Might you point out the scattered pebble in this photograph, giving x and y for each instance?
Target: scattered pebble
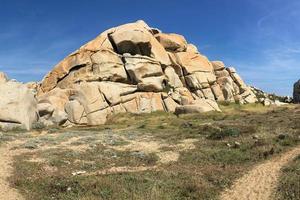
(229, 145)
(67, 162)
(78, 173)
(237, 145)
(255, 137)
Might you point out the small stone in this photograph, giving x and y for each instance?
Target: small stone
(255, 137)
(237, 145)
(229, 145)
(67, 162)
(114, 156)
(78, 173)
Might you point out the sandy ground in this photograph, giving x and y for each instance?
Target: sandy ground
(6, 170)
(7, 153)
(148, 146)
(257, 184)
(260, 183)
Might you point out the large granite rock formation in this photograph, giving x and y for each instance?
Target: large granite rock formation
(135, 68)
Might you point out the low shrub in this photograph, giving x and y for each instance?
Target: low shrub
(223, 133)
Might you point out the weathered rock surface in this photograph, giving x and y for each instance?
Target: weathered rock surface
(172, 42)
(135, 68)
(131, 68)
(18, 105)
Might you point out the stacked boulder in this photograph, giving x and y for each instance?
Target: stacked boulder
(18, 105)
(137, 69)
(270, 99)
(232, 86)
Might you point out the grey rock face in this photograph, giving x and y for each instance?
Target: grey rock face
(296, 93)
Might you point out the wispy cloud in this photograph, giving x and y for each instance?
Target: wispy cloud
(274, 62)
(276, 72)
(33, 58)
(261, 21)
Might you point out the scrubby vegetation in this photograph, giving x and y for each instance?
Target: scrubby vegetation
(153, 156)
(289, 184)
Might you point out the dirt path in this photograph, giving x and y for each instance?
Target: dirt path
(6, 159)
(260, 182)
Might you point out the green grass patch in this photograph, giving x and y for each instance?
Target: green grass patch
(289, 182)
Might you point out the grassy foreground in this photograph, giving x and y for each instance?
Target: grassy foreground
(289, 184)
(152, 156)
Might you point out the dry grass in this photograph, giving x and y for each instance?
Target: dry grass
(148, 157)
(289, 184)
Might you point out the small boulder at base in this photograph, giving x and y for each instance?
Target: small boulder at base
(17, 104)
(198, 106)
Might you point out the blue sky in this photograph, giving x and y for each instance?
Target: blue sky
(258, 37)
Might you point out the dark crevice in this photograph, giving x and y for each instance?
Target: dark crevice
(164, 105)
(75, 68)
(163, 66)
(165, 84)
(122, 58)
(113, 43)
(130, 81)
(96, 111)
(105, 98)
(145, 49)
(107, 101)
(8, 121)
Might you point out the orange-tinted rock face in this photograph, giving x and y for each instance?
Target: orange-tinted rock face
(135, 68)
(172, 42)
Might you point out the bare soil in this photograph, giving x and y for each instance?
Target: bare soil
(6, 170)
(154, 156)
(260, 183)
